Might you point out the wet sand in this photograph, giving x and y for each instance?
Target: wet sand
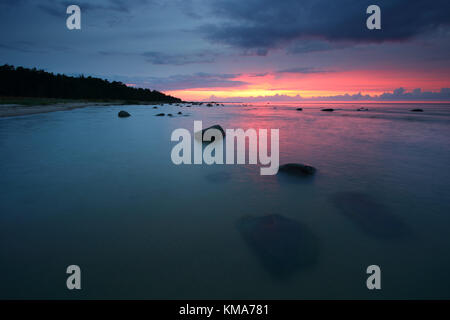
(12, 110)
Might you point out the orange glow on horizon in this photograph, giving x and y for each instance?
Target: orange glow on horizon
(321, 84)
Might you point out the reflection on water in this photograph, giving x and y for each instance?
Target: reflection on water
(84, 187)
(218, 177)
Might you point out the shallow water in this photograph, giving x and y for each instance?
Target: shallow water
(85, 187)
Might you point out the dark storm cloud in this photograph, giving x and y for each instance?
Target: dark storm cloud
(181, 82)
(178, 59)
(266, 24)
(30, 47)
(21, 46)
(302, 70)
(55, 7)
(305, 46)
(256, 75)
(162, 58)
(12, 2)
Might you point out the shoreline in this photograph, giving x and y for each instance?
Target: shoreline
(15, 110)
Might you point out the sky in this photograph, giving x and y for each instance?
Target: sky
(240, 50)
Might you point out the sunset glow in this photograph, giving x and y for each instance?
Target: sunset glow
(322, 84)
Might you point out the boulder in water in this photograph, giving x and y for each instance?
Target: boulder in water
(283, 246)
(299, 109)
(328, 109)
(417, 110)
(297, 169)
(199, 135)
(123, 114)
(160, 115)
(372, 217)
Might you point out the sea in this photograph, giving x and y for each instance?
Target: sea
(87, 188)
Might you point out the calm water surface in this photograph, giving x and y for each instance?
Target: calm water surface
(88, 188)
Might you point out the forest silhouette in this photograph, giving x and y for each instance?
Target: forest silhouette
(24, 82)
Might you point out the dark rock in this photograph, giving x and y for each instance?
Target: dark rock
(155, 107)
(372, 217)
(179, 112)
(362, 109)
(216, 126)
(160, 115)
(169, 115)
(328, 109)
(209, 105)
(417, 110)
(299, 109)
(188, 106)
(283, 246)
(199, 135)
(123, 114)
(297, 169)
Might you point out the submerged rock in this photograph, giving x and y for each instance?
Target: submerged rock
(169, 115)
(123, 114)
(199, 135)
(160, 115)
(299, 109)
(372, 217)
(283, 246)
(155, 107)
(328, 109)
(362, 109)
(179, 112)
(297, 169)
(417, 110)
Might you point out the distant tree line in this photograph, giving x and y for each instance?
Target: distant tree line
(24, 82)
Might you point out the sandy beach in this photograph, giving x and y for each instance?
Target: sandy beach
(12, 110)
